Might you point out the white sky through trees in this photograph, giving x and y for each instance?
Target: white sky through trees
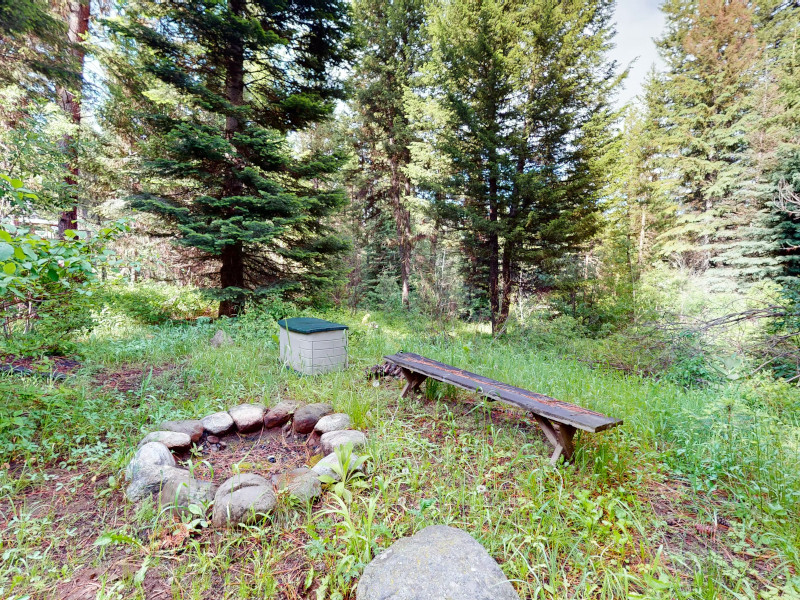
(639, 22)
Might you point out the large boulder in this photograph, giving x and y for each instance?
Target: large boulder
(248, 417)
(217, 423)
(191, 427)
(242, 499)
(334, 439)
(334, 422)
(280, 413)
(306, 417)
(171, 439)
(302, 484)
(439, 562)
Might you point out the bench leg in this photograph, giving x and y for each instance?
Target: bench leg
(565, 435)
(413, 381)
(560, 436)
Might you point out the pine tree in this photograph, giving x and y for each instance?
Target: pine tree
(772, 248)
(230, 81)
(711, 50)
(46, 56)
(34, 50)
(394, 50)
(724, 121)
(526, 88)
(69, 99)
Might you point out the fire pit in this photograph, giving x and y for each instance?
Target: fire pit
(239, 461)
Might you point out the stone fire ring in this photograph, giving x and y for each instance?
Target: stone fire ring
(246, 497)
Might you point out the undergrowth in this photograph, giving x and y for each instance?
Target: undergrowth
(696, 495)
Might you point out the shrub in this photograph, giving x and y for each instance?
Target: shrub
(45, 283)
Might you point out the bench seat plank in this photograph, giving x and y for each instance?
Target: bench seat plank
(539, 404)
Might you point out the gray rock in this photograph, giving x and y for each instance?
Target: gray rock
(191, 427)
(221, 338)
(171, 439)
(242, 499)
(302, 484)
(248, 417)
(306, 417)
(334, 422)
(325, 466)
(151, 454)
(280, 413)
(180, 492)
(242, 480)
(150, 479)
(334, 439)
(217, 423)
(439, 563)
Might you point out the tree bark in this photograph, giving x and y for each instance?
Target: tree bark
(78, 25)
(505, 307)
(494, 250)
(400, 186)
(231, 273)
(640, 256)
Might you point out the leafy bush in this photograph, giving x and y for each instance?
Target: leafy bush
(45, 283)
(17, 424)
(154, 303)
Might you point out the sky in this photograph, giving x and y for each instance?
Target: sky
(638, 23)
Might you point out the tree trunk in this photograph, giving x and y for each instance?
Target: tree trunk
(436, 285)
(509, 244)
(232, 276)
(494, 250)
(505, 307)
(78, 21)
(231, 273)
(400, 185)
(640, 257)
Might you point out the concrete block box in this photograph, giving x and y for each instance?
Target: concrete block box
(313, 346)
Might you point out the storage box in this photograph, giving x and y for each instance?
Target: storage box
(312, 346)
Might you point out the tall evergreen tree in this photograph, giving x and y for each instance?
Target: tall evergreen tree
(44, 52)
(392, 34)
(526, 85)
(34, 51)
(236, 77)
(69, 99)
(711, 51)
(723, 119)
(772, 248)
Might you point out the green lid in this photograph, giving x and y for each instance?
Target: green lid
(310, 325)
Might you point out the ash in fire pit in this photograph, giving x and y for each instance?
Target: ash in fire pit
(265, 453)
(239, 460)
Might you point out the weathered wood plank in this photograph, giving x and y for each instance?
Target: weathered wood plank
(569, 414)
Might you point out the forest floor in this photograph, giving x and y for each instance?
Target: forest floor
(696, 495)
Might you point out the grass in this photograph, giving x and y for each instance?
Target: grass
(697, 495)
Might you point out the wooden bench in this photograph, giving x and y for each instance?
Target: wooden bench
(558, 420)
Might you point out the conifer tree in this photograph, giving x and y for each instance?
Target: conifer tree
(45, 54)
(711, 50)
(392, 34)
(235, 78)
(34, 50)
(526, 87)
(725, 124)
(772, 246)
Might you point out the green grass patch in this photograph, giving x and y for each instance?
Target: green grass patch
(696, 495)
